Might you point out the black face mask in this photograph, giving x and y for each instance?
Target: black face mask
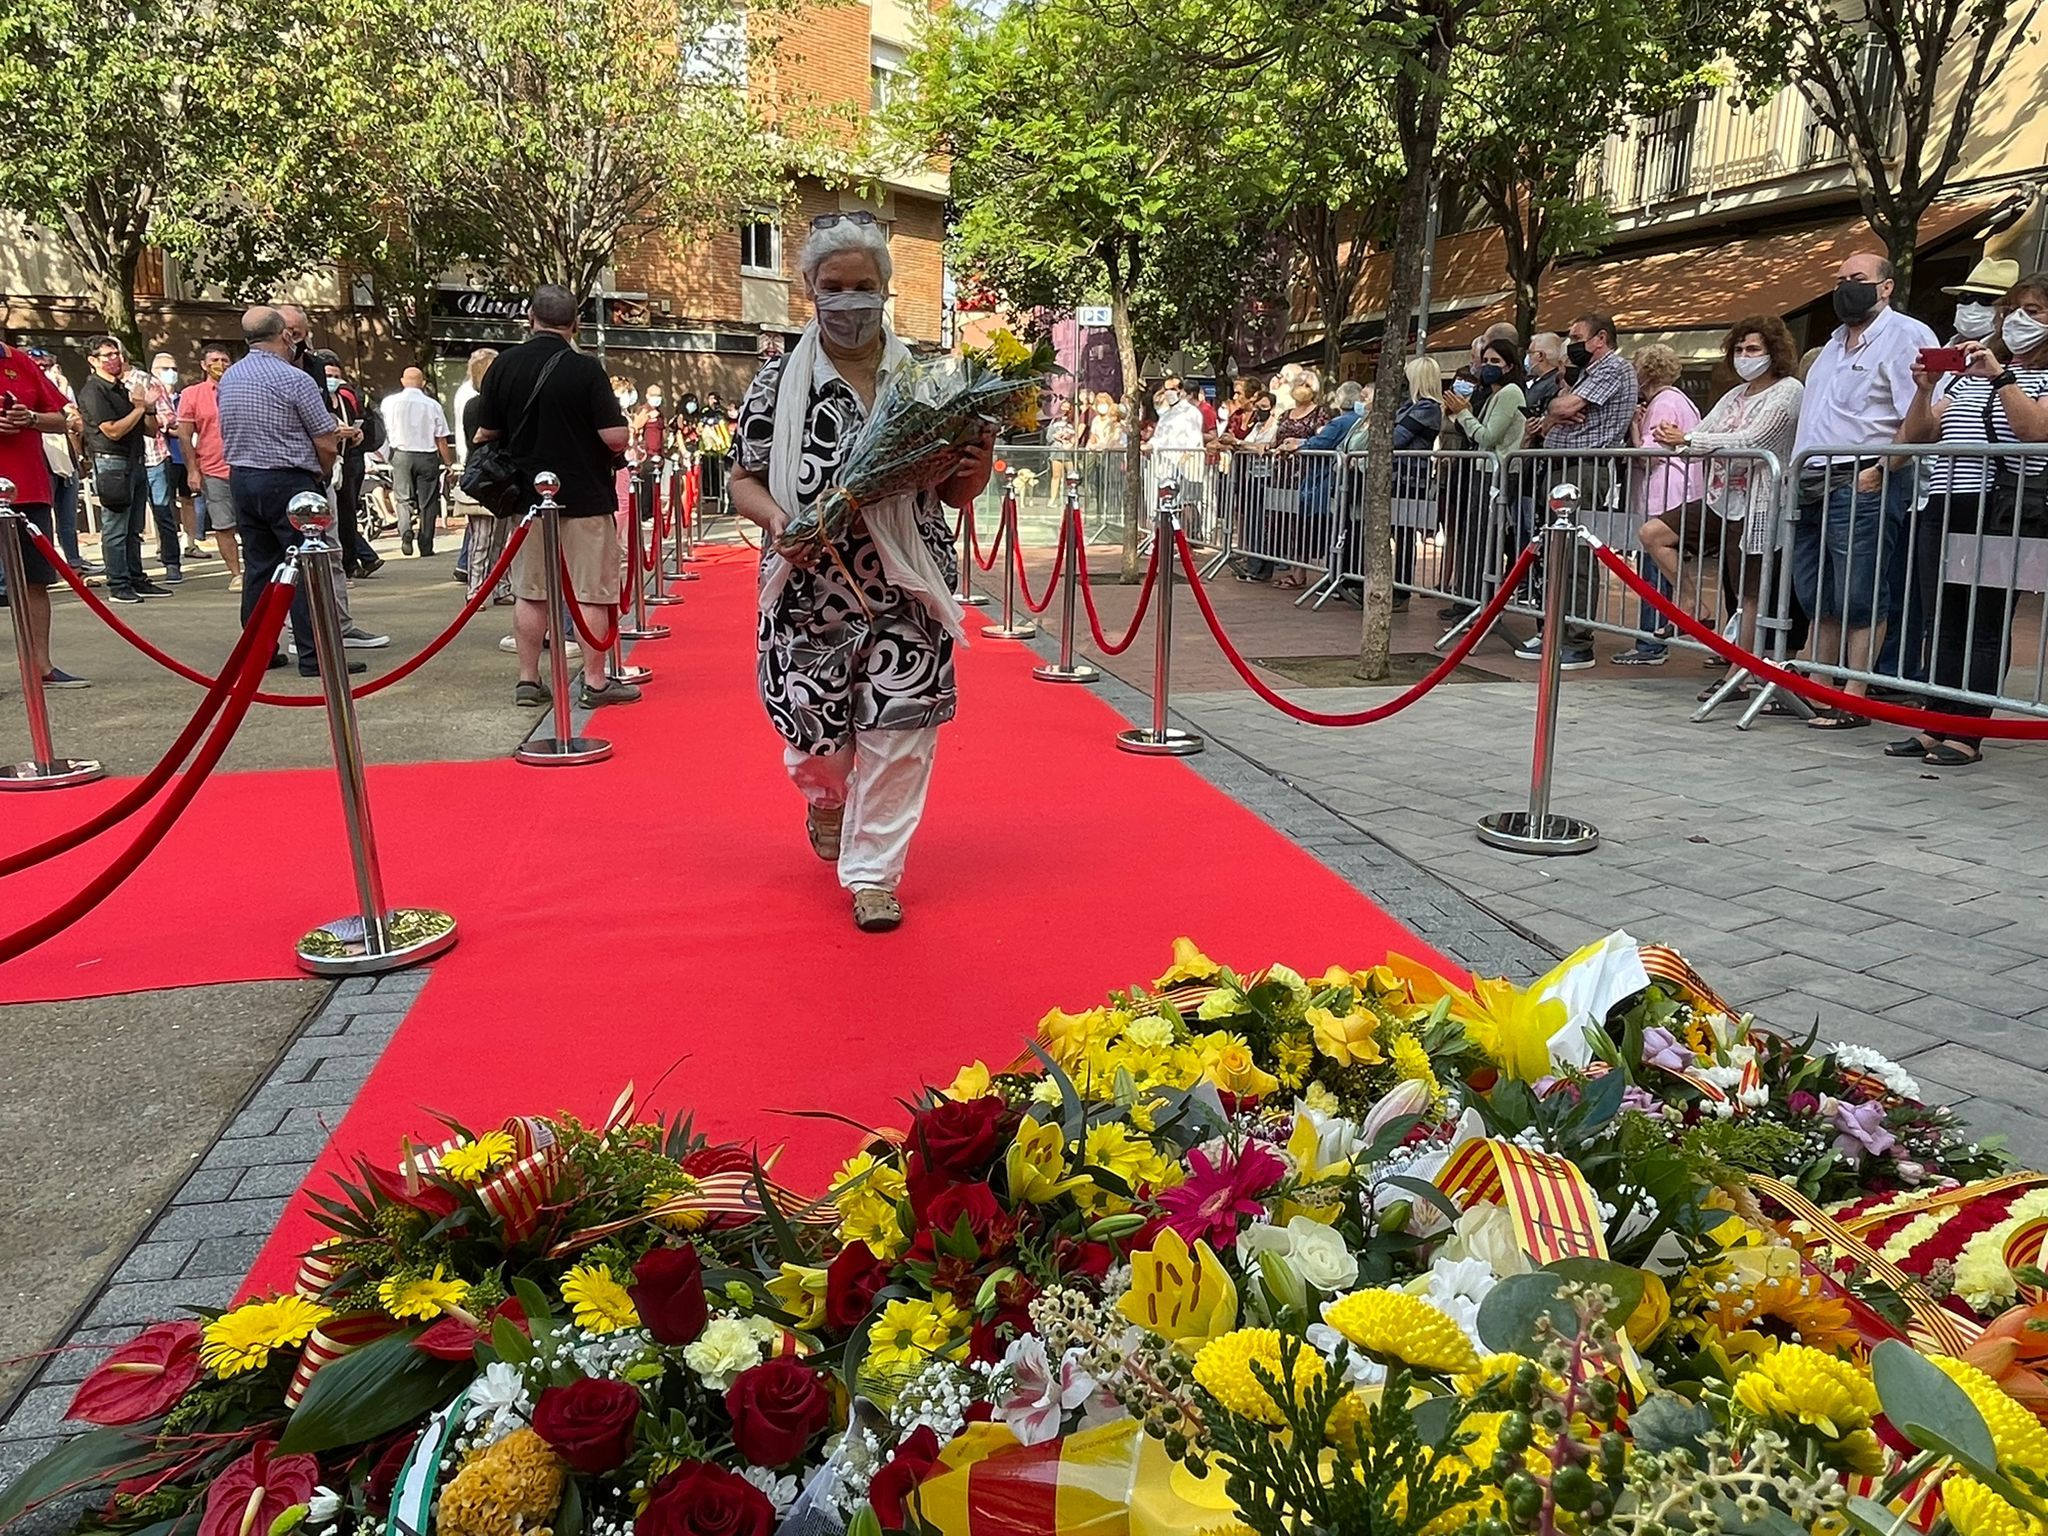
(1490, 374)
(1578, 354)
(1855, 302)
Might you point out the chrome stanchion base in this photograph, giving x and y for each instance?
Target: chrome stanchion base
(1516, 832)
(651, 632)
(550, 753)
(664, 599)
(413, 933)
(672, 574)
(972, 600)
(1023, 629)
(1145, 743)
(60, 773)
(1079, 672)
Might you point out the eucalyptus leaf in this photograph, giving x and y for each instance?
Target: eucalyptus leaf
(1508, 1316)
(1872, 1518)
(1664, 1421)
(1929, 1409)
(1432, 1417)
(1625, 1280)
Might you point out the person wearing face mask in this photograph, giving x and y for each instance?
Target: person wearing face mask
(1983, 504)
(1176, 443)
(856, 649)
(206, 459)
(1489, 420)
(714, 453)
(1977, 296)
(1303, 416)
(161, 470)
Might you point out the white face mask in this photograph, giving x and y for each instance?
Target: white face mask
(1753, 368)
(1974, 321)
(2022, 332)
(168, 377)
(629, 398)
(654, 401)
(849, 318)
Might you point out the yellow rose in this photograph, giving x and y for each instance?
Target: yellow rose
(1067, 1036)
(1235, 1071)
(970, 1082)
(1349, 1039)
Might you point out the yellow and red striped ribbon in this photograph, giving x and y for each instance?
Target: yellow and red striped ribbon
(1554, 1209)
(326, 1344)
(2023, 1250)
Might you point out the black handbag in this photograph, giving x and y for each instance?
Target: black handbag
(113, 480)
(490, 476)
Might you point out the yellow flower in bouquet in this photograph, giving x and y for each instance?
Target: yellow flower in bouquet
(599, 1301)
(1180, 1293)
(1348, 1039)
(1224, 1370)
(911, 1332)
(1227, 1061)
(1974, 1510)
(970, 1082)
(866, 1192)
(468, 1163)
(1393, 1325)
(800, 1291)
(504, 1489)
(1294, 1055)
(1798, 1385)
(1189, 964)
(1512, 1026)
(2019, 1438)
(1113, 1148)
(1067, 1036)
(243, 1340)
(422, 1295)
(1036, 1163)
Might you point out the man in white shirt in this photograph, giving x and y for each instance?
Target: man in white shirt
(1176, 443)
(417, 430)
(1845, 544)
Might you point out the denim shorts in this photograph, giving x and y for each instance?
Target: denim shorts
(1840, 564)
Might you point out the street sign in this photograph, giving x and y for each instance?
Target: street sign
(1092, 317)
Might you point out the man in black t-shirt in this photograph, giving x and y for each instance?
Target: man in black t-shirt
(114, 411)
(557, 413)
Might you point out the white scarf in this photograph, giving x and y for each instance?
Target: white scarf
(891, 522)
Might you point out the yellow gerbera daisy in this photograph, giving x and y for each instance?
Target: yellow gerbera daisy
(242, 1340)
(421, 1295)
(910, 1332)
(1224, 1370)
(600, 1302)
(468, 1163)
(1396, 1326)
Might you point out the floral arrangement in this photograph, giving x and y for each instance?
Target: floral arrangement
(1375, 1251)
(928, 409)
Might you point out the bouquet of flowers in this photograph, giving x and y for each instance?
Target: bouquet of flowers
(929, 409)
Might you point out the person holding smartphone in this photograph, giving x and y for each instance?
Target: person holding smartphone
(30, 406)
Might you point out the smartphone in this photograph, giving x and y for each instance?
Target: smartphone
(1935, 361)
(8, 400)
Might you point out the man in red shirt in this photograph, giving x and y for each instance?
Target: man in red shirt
(206, 460)
(31, 405)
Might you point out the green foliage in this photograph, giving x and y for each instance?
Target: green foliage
(370, 1392)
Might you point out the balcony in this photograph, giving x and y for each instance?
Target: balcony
(1716, 151)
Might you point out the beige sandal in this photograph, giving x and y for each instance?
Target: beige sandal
(876, 910)
(824, 823)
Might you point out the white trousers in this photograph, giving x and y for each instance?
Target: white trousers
(882, 783)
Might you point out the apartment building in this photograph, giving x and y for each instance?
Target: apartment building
(688, 314)
(1721, 209)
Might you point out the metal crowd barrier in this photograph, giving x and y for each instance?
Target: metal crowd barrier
(1043, 475)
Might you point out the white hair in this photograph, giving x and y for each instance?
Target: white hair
(1346, 395)
(846, 235)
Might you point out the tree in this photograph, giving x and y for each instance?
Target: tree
(1897, 81)
(1064, 177)
(1203, 288)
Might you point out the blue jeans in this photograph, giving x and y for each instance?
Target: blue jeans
(163, 501)
(64, 507)
(1845, 548)
(120, 522)
(261, 496)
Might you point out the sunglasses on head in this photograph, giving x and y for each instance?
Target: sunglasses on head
(858, 216)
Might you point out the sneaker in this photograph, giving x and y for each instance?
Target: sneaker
(1639, 657)
(194, 552)
(1530, 649)
(356, 639)
(613, 692)
(150, 588)
(91, 568)
(405, 549)
(1576, 657)
(235, 584)
(175, 575)
(123, 595)
(57, 677)
(372, 567)
(532, 696)
(876, 910)
(314, 671)
(824, 823)
(278, 662)
(510, 646)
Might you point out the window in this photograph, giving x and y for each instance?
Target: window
(885, 64)
(761, 246)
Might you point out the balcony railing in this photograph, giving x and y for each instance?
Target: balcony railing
(1715, 144)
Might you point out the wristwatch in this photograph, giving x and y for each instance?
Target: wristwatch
(2005, 379)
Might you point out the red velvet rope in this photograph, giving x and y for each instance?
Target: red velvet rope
(1052, 582)
(576, 615)
(261, 636)
(1481, 623)
(1927, 722)
(145, 788)
(171, 663)
(1102, 642)
(974, 539)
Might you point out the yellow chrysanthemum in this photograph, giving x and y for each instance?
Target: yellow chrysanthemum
(422, 1295)
(1802, 1385)
(1293, 1056)
(1411, 1062)
(1348, 1039)
(1497, 1370)
(242, 1340)
(1974, 1510)
(866, 1192)
(1396, 1326)
(1348, 1417)
(468, 1163)
(1189, 964)
(911, 1332)
(1224, 1370)
(506, 1489)
(1132, 1158)
(600, 1302)
(2016, 1434)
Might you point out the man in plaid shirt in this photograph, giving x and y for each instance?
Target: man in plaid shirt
(281, 439)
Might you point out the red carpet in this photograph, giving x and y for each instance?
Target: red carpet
(663, 911)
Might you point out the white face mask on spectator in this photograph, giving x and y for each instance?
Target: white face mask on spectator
(2023, 332)
(1752, 368)
(1974, 321)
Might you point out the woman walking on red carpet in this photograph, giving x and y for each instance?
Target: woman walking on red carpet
(856, 651)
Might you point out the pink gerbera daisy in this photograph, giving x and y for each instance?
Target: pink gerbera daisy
(1215, 1194)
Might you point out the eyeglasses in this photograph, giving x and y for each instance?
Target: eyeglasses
(858, 216)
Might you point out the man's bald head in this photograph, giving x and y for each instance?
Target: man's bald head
(261, 323)
(413, 378)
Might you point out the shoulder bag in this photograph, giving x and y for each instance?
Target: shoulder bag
(491, 477)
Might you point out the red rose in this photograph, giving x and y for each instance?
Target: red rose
(589, 1423)
(975, 1205)
(699, 1499)
(776, 1408)
(955, 1139)
(668, 1291)
(889, 1494)
(1078, 1260)
(851, 1283)
(142, 1378)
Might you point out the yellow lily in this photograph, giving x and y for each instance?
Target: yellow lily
(1179, 1293)
(970, 1082)
(800, 1291)
(1513, 1027)
(1037, 1163)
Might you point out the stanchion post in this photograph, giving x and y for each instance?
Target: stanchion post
(1160, 739)
(967, 597)
(563, 749)
(376, 938)
(45, 769)
(639, 629)
(1067, 669)
(683, 536)
(1536, 830)
(1013, 627)
(658, 595)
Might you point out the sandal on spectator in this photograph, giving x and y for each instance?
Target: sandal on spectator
(1946, 756)
(1739, 691)
(1907, 746)
(1836, 720)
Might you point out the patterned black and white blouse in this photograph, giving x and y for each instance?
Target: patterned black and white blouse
(828, 667)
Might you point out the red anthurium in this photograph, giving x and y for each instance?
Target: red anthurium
(424, 1195)
(253, 1492)
(142, 1378)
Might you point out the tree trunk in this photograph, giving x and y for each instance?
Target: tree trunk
(1127, 360)
(1333, 352)
(1419, 114)
(1528, 293)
